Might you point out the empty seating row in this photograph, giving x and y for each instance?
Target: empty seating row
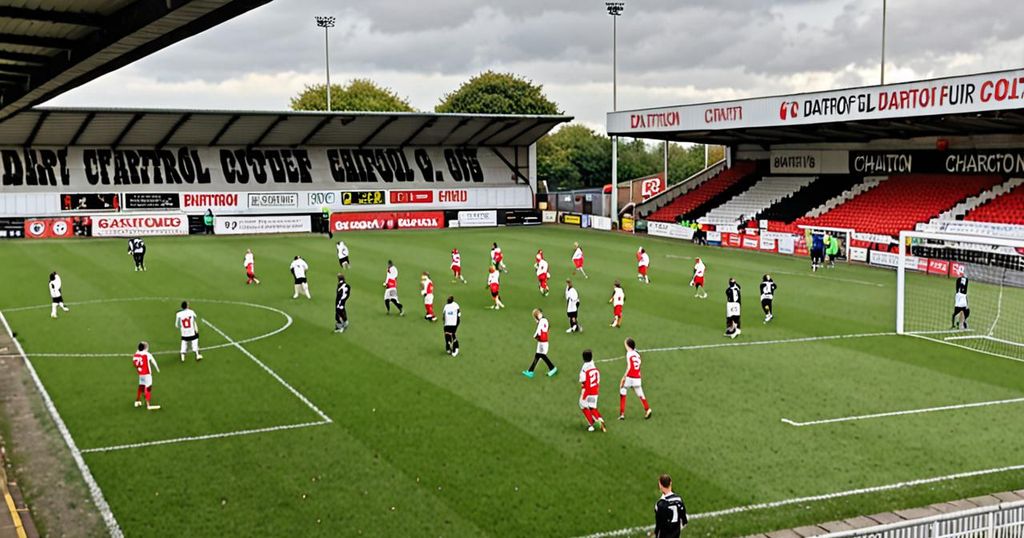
(704, 192)
(1006, 209)
(749, 203)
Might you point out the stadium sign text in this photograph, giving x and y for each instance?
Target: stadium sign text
(1008, 162)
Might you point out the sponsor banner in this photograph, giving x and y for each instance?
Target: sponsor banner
(967, 227)
(277, 200)
(520, 217)
(732, 240)
(569, 218)
(650, 186)
(1003, 90)
(364, 197)
(473, 219)
(390, 220)
(858, 254)
(212, 200)
(627, 224)
(220, 169)
(750, 242)
(714, 236)
(957, 269)
(48, 228)
(94, 201)
(151, 200)
(980, 161)
(767, 244)
(412, 197)
(12, 228)
(809, 161)
(800, 246)
(787, 244)
(917, 264)
(549, 217)
(875, 238)
(262, 225)
(145, 224)
(885, 259)
(670, 230)
(938, 267)
(601, 223)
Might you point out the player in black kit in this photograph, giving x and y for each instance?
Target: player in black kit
(767, 296)
(340, 313)
(960, 303)
(137, 248)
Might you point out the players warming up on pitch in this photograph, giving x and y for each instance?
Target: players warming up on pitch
(343, 255)
(817, 250)
(577, 260)
(960, 307)
(137, 248)
(427, 291)
(187, 322)
(494, 285)
(642, 262)
(340, 298)
(542, 274)
(732, 309)
(457, 266)
(497, 258)
(298, 269)
(698, 279)
(768, 288)
(391, 290)
(590, 387)
(617, 300)
(143, 360)
(249, 262)
(452, 318)
(631, 380)
(572, 308)
(56, 295)
(541, 336)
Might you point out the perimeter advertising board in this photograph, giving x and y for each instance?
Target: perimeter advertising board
(144, 224)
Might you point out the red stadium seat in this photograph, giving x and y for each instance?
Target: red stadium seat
(1005, 209)
(704, 192)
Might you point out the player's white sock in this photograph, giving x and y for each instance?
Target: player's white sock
(305, 289)
(53, 310)
(296, 294)
(64, 308)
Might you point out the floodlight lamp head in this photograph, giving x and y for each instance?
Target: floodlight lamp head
(615, 8)
(325, 22)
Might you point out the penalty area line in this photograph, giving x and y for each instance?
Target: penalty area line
(815, 498)
(902, 413)
(759, 343)
(188, 439)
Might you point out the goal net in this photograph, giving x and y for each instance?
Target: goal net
(983, 313)
(826, 235)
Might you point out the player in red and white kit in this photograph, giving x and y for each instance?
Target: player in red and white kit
(143, 360)
(541, 336)
(698, 279)
(249, 262)
(577, 260)
(428, 296)
(632, 381)
(391, 289)
(538, 257)
(590, 386)
(617, 300)
(457, 266)
(642, 262)
(497, 258)
(188, 323)
(494, 284)
(543, 275)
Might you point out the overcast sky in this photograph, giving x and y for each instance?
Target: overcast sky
(670, 51)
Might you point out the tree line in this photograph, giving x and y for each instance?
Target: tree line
(572, 157)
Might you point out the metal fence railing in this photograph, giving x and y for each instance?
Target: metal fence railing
(1004, 520)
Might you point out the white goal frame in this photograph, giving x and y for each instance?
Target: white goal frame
(901, 267)
(848, 231)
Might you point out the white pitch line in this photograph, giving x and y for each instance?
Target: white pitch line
(94, 488)
(905, 412)
(968, 348)
(758, 343)
(272, 373)
(206, 437)
(814, 498)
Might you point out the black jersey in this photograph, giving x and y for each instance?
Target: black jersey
(768, 289)
(669, 516)
(961, 285)
(342, 296)
(136, 246)
(732, 294)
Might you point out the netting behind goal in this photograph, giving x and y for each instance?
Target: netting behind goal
(989, 318)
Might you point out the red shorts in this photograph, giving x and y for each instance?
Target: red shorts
(698, 281)
(642, 269)
(248, 270)
(494, 290)
(578, 263)
(543, 279)
(456, 268)
(617, 309)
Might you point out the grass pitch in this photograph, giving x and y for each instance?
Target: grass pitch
(420, 443)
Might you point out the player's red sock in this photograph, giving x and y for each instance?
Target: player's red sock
(596, 414)
(644, 401)
(590, 419)
(430, 310)
(149, 392)
(622, 404)
(138, 393)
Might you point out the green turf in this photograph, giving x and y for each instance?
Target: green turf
(424, 444)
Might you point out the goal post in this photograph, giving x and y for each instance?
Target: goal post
(988, 318)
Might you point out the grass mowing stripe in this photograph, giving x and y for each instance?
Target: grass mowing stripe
(270, 371)
(206, 437)
(757, 343)
(901, 413)
(94, 488)
(814, 498)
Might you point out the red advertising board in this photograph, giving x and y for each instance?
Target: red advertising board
(391, 220)
(412, 197)
(48, 228)
(956, 269)
(651, 186)
(938, 267)
(800, 246)
(751, 242)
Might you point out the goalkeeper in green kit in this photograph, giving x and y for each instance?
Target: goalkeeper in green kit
(832, 250)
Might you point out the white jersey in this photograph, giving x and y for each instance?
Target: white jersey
(342, 250)
(577, 254)
(542, 267)
(644, 261)
(618, 297)
(249, 260)
(451, 314)
(456, 259)
(427, 292)
(185, 321)
(55, 287)
(299, 268)
(492, 278)
(698, 269)
(572, 300)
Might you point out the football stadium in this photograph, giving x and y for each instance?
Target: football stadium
(230, 322)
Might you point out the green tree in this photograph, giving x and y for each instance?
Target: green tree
(360, 95)
(498, 93)
(574, 157)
